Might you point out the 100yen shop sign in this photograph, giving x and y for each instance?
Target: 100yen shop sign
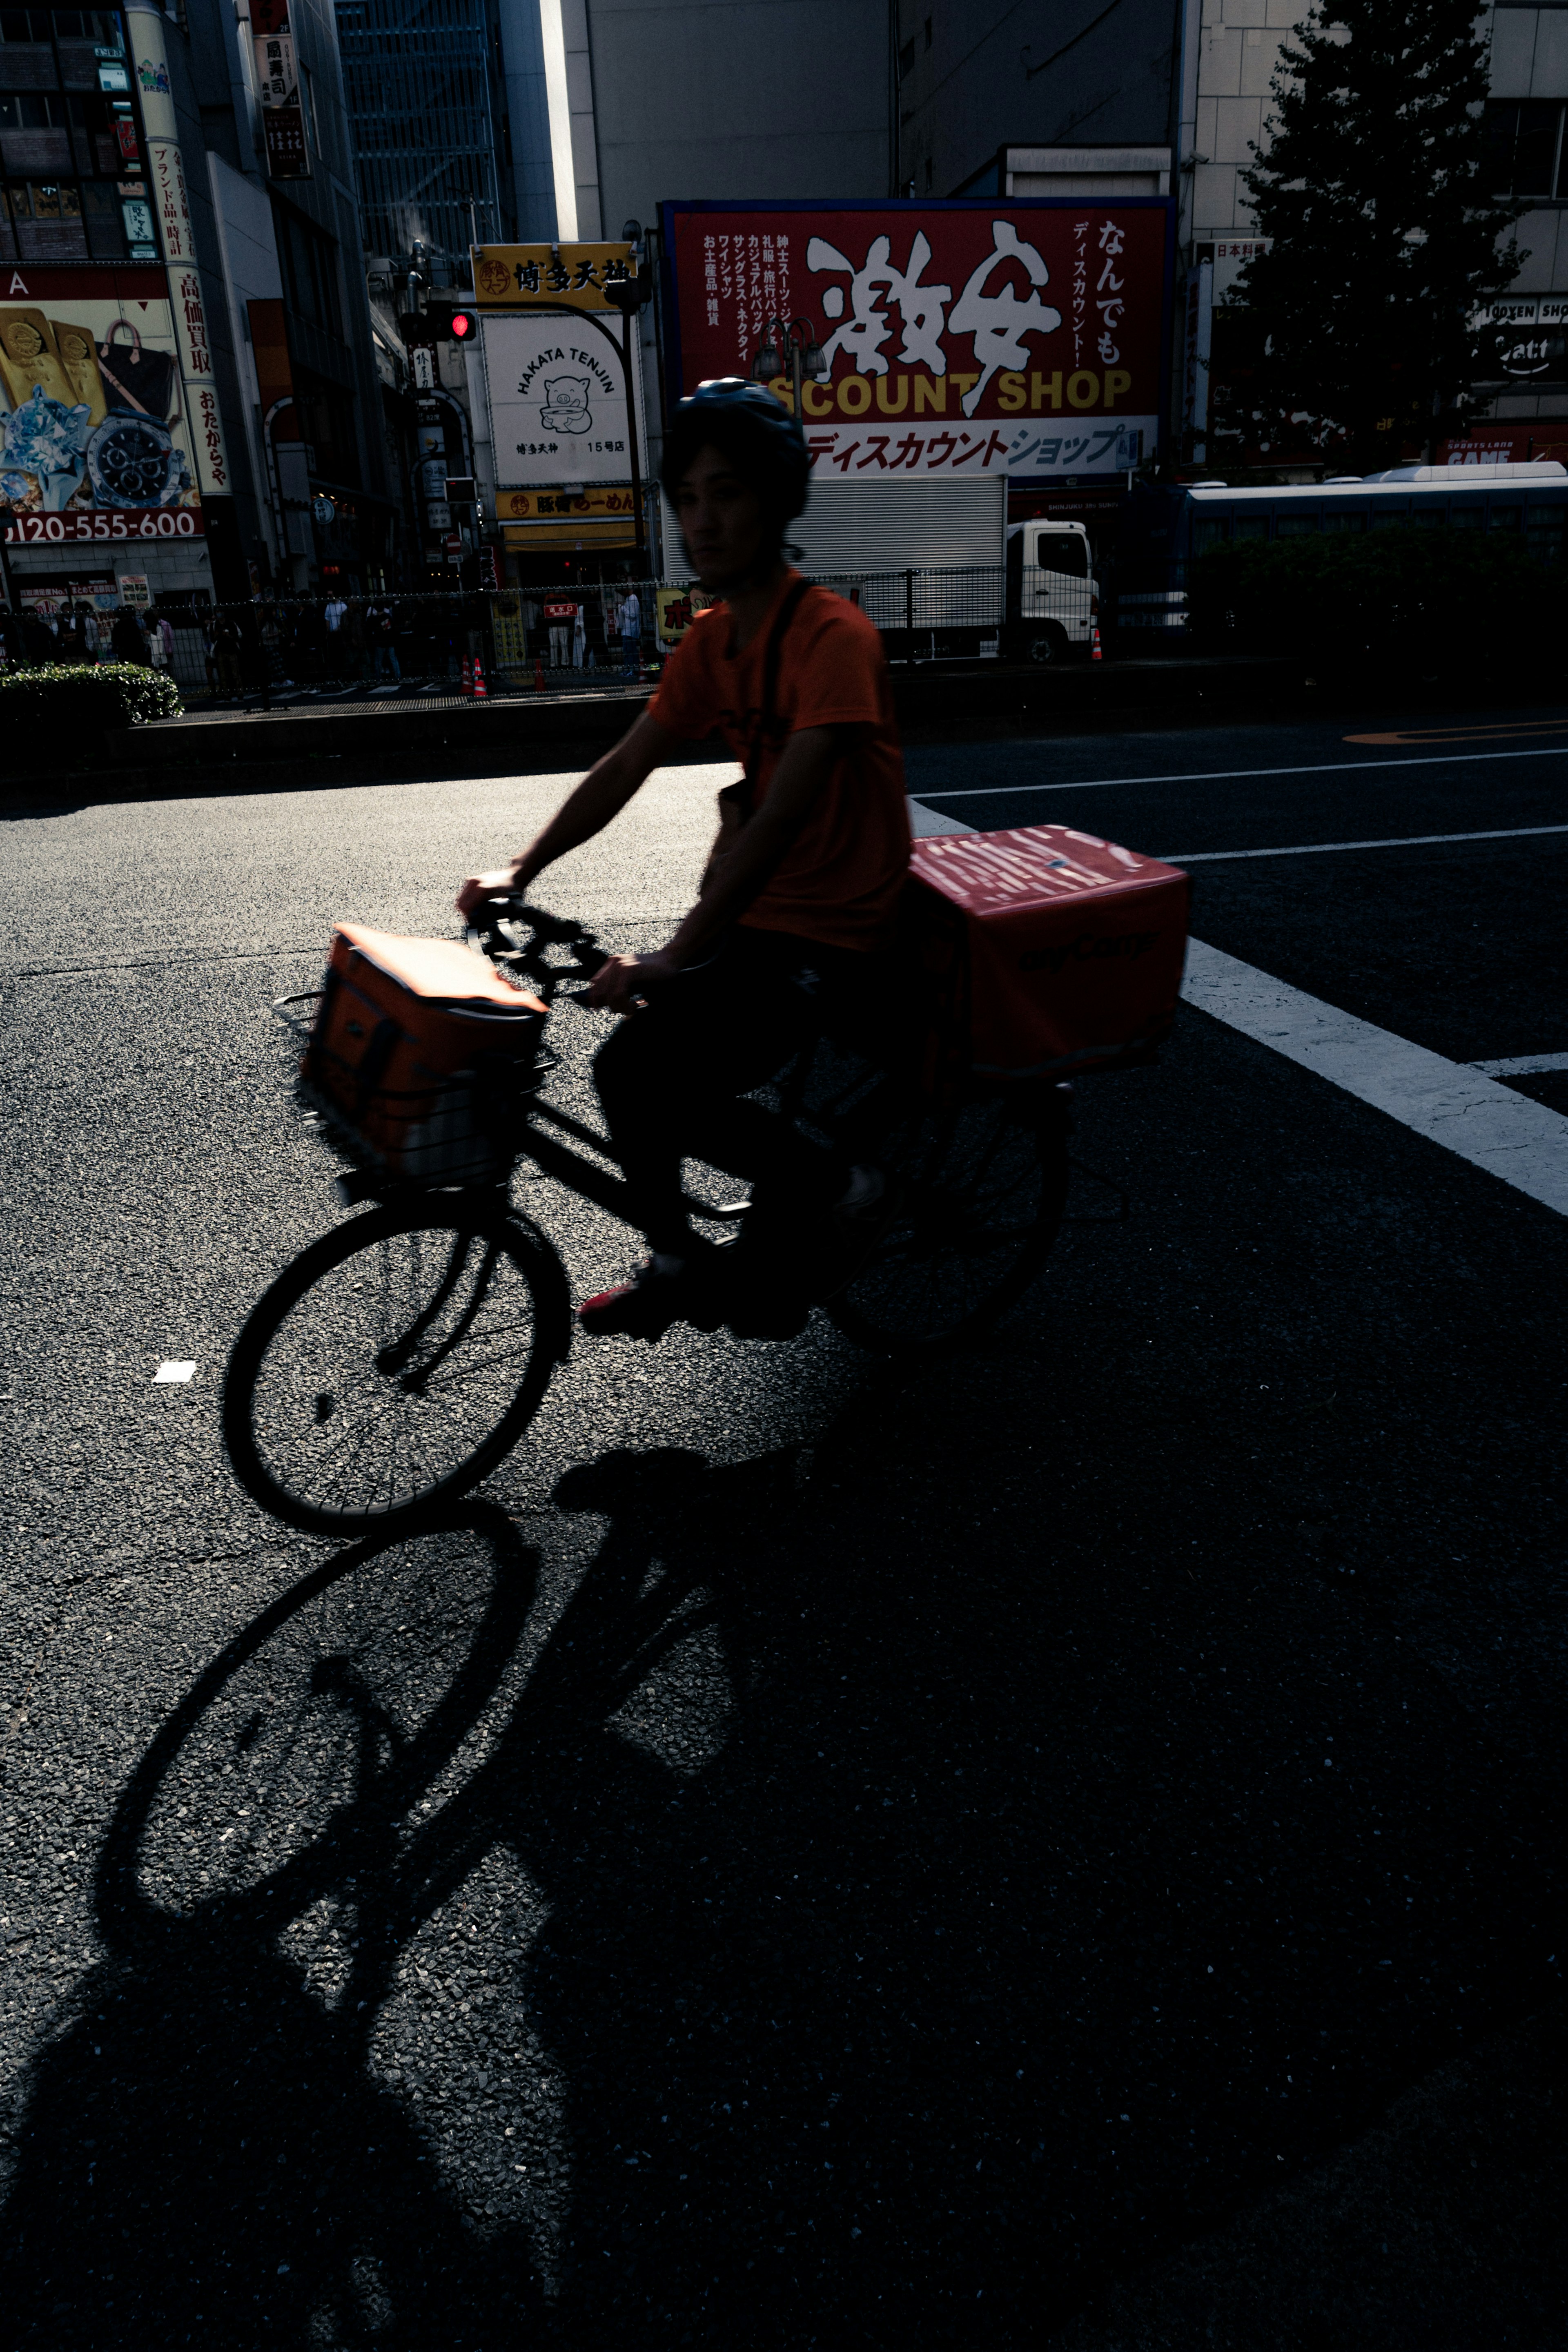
(961, 337)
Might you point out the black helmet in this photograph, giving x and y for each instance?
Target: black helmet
(753, 430)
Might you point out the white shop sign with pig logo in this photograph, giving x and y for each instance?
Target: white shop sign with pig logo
(558, 405)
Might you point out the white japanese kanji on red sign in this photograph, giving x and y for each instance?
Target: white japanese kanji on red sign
(960, 338)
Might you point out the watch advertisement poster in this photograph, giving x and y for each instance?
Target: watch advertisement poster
(1023, 336)
(95, 443)
(559, 410)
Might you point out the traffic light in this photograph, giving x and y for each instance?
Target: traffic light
(440, 322)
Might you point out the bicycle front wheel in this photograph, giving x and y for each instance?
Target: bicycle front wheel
(393, 1365)
(981, 1192)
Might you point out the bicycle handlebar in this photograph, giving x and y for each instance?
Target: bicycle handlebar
(484, 933)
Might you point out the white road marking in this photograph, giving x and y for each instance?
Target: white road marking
(1320, 848)
(172, 1372)
(1233, 776)
(1522, 1065)
(1471, 1115)
(924, 822)
(1456, 1104)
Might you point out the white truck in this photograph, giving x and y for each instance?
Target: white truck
(941, 571)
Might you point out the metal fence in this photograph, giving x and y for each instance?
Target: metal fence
(278, 652)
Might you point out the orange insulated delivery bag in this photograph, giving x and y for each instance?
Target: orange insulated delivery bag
(419, 1049)
(1044, 953)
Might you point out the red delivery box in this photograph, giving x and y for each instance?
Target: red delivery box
(1047, 951)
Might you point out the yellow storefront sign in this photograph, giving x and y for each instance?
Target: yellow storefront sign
(677, 609)
(549, 277)
(552, 506)
(598, 516)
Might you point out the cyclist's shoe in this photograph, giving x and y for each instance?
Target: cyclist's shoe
(863, 1207)
(644, 1307)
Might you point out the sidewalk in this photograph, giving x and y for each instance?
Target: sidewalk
(381, 738)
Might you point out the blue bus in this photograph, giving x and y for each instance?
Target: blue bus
(1165, 526)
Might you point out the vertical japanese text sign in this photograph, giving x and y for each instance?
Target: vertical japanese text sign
(277, 79)
(173, 209)
(1024, 336)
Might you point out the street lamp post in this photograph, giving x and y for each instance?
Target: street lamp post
(798, 338)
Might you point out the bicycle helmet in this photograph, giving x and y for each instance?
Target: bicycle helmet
(753, 430)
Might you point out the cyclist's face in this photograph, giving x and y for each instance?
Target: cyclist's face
(721, 521)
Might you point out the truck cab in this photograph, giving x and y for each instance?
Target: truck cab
(1053, 597)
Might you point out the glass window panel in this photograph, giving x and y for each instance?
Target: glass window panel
(1342, 522)
(1296, 526)
(1505, 518)
(1535, 150)
(1466, 518)
(1501, 126)
(1252, 527)
(1208, 531)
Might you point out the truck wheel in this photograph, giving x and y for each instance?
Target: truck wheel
(1051, 646)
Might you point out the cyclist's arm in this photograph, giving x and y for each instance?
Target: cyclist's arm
(739, 869)
(601, 797)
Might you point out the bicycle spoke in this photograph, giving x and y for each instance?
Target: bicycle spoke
(393, 1370)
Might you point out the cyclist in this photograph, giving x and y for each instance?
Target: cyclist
(799, 889)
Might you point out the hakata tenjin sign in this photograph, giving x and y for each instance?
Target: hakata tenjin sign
(559, 410)
(964, 338)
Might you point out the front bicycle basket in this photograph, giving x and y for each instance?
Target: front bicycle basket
(418, 1056)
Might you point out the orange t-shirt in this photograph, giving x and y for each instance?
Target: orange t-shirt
(840, 880)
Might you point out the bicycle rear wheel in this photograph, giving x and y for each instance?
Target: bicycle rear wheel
(393, 1365)
(981, 1192)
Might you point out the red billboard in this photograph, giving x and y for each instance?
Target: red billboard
(1025, 336)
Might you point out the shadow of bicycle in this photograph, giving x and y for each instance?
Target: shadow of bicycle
(298, 2100)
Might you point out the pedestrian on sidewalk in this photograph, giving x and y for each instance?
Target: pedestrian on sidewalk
(560, 616)
(631, 633)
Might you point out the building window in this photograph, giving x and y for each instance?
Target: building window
(309, 79)
(309, 271)
(68, 144)
(1524, 147)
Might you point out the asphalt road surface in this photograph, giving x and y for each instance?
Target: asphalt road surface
(1062, 1844)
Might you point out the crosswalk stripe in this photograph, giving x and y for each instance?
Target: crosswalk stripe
(1490, 1125)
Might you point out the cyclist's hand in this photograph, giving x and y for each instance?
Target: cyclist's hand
(482, 885)
(620, 981)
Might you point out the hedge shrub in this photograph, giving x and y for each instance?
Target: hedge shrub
(81, 697)
(1402, 596)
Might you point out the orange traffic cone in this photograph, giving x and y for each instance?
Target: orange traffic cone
(467, 686)
(481, 691)
(1096, 655)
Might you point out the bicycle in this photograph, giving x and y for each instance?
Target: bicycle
(397, 1362)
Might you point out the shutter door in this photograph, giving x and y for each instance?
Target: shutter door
(920, 524)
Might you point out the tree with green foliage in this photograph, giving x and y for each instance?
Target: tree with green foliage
(1383, 239)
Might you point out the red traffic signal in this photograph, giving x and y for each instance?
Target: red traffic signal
(465, 326)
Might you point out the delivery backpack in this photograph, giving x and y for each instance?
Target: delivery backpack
(1041, 952)
(418, 1054)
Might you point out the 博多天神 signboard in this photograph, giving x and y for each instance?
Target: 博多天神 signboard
(1029, 337)
(559, 405)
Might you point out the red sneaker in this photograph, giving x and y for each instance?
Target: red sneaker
(644, 1307)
